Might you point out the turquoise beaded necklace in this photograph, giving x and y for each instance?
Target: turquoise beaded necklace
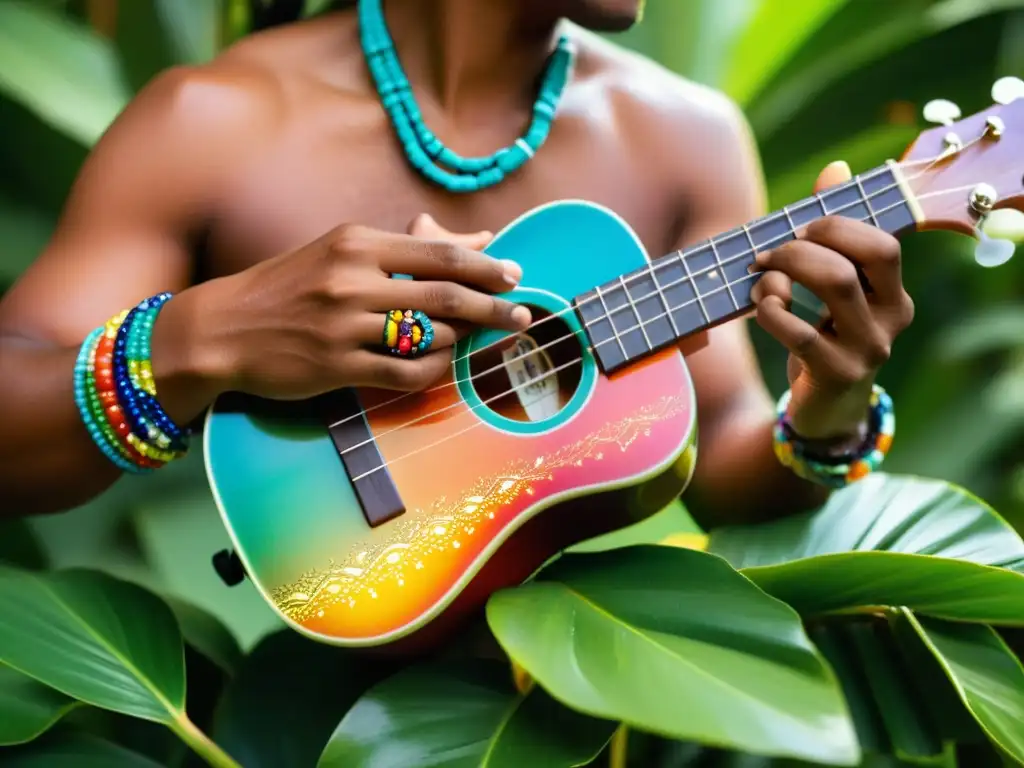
(423, 149)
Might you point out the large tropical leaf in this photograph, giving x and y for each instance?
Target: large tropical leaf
(985, 673)
(286, 699)
(881, 513)
(59, 70)
(157, 34)
(75, 751)
(674, 642)
(462, 713)
(19, 545)
(101, 640)
(204, 632)
(27, 707)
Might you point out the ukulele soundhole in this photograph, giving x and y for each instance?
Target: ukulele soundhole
(531, 376)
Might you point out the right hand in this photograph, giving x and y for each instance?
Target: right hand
(311, 321)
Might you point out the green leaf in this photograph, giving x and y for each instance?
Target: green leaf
(103, 641)
(865, 581)
(19, 545)
(155, 35)
(675, 642)
(27, 707)
(881, 513)
(207, 634)
(287, 698)
(75, 751)
(59, 70)
(672, 520)
(24, 232)
(993, 329)
(777, 29)
(462, 713)
(986, 675)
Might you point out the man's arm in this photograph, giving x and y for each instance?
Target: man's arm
(125, 234)
(737, 479)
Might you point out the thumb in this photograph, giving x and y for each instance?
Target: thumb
(833, 174)
(425, 227)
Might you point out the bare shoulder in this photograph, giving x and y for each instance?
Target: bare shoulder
(692, 131)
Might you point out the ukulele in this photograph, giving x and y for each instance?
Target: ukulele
(375, 518)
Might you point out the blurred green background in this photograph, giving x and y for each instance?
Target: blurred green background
(819, 80)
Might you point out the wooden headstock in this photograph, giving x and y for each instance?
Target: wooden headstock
(963, 171)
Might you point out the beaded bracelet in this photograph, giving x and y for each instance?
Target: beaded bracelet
(116, 395)
(842, 469)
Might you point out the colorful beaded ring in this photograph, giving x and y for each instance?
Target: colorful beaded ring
(407, 333)
(838, 470)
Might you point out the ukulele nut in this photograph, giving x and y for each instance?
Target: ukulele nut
(982, 198)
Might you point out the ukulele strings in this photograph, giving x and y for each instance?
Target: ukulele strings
(563, 366)
(651, 270)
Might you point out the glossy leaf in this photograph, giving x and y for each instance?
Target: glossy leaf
(464, 713)
(287, 698)
(207, 635)
(671, 521)
(985, 673)
(20, 546)
(881, 513)
(93, 637)
(158, 34)
(75, 751)
(27, 707)
(777, 30)
(59, 70)
(673, 641)
(855, 581)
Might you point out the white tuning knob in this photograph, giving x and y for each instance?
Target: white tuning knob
(1007, 89)
(941, 111)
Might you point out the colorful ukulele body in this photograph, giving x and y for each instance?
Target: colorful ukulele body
(366, 518)
(488, 495)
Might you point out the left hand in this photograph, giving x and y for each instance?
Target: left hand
(832, 368)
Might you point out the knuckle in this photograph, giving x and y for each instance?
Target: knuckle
(447, 256)
(878, 353)
(907, 311)
(825, 228)
(443, 298)
(348, 240)
(844, 280)
(890, 251)
(807, 342)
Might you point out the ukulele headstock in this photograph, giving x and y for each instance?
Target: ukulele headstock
(967, 175)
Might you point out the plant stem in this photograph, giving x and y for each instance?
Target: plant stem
(201, 744)
(617, 750)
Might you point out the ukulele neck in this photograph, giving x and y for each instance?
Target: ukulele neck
(686, 292)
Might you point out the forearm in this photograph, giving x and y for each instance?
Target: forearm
(48, 461)
(739, 480)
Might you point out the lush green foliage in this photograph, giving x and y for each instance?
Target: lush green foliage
(879, 626)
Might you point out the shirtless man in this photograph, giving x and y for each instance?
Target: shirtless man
(263, 190)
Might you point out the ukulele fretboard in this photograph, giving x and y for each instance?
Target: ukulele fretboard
(689, 291)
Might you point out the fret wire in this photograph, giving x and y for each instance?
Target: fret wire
(867, 202)
(789, 220)
(696, 291)
(661, 295)
(821, 202)
(721, 267)
(611, 323)
(636, 313)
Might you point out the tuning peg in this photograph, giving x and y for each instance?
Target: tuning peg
(1007, 89)
(1005, 224)
(941, 111)
(997, 237)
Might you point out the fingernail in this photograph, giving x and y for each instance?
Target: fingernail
(761, 257)
(521, 316)
(513, 272)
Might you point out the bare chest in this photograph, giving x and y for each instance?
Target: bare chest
(318, 177)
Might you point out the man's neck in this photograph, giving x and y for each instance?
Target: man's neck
(467, 53)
